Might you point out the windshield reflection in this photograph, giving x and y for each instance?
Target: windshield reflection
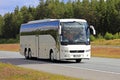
(73, 33)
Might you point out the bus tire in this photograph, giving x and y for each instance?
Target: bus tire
(29, 54)
(26, 54)
(78, 60)
(51, 56)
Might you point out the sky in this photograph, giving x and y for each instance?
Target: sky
(9, 5)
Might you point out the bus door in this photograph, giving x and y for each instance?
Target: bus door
(37, 45)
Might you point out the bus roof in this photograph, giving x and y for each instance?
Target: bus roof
(61, 20)
(70, 20)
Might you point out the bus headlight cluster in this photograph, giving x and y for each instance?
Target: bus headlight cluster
(88, 50)
(67, 55)
(65, 51)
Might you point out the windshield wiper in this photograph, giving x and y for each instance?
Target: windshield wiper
(64, 43)
(80, 42)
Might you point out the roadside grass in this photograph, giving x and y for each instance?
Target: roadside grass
(11, 72)
(114, 42)
(107, 52)
(106, 48)
(10, 47)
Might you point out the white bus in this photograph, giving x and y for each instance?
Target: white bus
(56, 39)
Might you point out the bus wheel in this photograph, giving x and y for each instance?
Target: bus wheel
(26, 54)
(78, 60)
(51, 56)
(29, 54)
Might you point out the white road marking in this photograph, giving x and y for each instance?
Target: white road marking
(88, 69)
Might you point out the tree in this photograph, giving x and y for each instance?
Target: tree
(69, 10)
(32, 12)
(40, 10)
(101, 12)
(17, 20)
(27, 16)
(1, 24)
(7, 28)
(77, 7)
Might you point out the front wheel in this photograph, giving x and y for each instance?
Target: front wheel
(51, 56)
(26, 55)
(78, 60)
(30, 54)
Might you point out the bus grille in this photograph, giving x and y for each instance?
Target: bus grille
(76, 51)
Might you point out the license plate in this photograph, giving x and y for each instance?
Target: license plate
(76, 55)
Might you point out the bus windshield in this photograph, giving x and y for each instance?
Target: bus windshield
(74, 33)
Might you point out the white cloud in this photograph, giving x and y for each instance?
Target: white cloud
(9, 5)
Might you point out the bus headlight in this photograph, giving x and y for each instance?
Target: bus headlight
(67, 55)
(88, 50)
(65, 51)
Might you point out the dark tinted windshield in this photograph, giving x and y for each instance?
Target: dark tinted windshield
(74, 33)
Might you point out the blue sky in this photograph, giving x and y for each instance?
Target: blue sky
(9, 5)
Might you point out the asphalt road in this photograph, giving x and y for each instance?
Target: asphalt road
(93, 69)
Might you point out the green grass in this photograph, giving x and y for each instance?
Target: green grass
(114, 42)
(107, 52)
(106, 48)
(11, 72)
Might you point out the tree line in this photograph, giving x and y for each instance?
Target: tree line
(103, 15)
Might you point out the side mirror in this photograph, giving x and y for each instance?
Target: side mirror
(92, 27)
(60, 29)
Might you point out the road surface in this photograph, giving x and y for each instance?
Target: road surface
(93, 69)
